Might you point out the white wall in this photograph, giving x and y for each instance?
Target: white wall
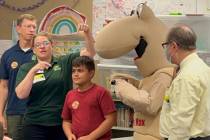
(200, 9)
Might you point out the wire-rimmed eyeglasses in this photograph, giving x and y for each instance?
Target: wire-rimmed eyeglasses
(165, 44)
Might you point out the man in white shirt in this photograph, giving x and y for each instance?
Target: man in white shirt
(186, 109)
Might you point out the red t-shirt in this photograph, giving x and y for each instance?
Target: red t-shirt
(86, 110)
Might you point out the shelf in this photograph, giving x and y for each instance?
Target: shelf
(122, 128)
(116, 100)
(123, 138)
(117, 67)
(184, 17)
(123, 134)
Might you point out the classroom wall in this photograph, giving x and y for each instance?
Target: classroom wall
(114, 9)
(8, 15)
(195, 13)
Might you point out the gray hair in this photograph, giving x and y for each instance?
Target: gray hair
(184, 36)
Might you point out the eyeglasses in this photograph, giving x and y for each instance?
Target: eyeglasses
(44, 43)
(165, 45)
(29, 26)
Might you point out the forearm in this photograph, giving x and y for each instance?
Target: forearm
(89, 49)
(24, 87)
(129, 78)
(147, 101)
(67, 128)
(3, 96)
(3, 101)
(139, 100)
(105, 126)
(89, 45)
(130, 95)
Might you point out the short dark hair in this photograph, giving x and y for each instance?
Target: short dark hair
(184, 36)
(25, 16)
(84, 61)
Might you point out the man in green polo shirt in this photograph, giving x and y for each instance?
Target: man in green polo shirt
(46, 82)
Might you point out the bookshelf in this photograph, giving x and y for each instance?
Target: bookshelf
(124, 112)
(124, 116)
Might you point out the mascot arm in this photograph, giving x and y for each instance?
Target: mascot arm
(130, 79)
(147, 101)
(157, 92)
(130, 95)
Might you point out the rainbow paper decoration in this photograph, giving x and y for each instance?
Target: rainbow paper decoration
(61, 20)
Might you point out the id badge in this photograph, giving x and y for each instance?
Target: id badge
(167, 100)
(39, 77)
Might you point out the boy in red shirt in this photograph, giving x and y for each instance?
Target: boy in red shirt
(89, 111)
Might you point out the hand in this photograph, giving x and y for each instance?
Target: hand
(118, 83)
(128, 78)
(3, 122)
(83, 27)
(89, 41)
(6, 138)
(72, 137)
(87, 137)
(85, 52)
(119, 76)
(41, 65)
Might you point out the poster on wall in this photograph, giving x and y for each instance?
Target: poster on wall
(62, 23)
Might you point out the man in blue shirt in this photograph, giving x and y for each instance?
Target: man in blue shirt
(11, 60)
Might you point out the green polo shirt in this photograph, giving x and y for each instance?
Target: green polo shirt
(48, 92)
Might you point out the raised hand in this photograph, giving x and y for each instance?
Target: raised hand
(83, 27)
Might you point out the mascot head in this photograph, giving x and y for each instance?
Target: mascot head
(143, 33)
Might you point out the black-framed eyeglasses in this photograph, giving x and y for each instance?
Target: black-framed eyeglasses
(165, 45)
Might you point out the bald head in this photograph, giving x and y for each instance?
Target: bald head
(184, 36)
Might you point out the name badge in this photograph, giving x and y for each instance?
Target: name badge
(39, 77)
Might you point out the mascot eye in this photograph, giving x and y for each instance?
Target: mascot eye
(140, 48)
(113, 82)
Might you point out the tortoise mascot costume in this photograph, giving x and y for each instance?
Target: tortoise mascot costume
(143, 33)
